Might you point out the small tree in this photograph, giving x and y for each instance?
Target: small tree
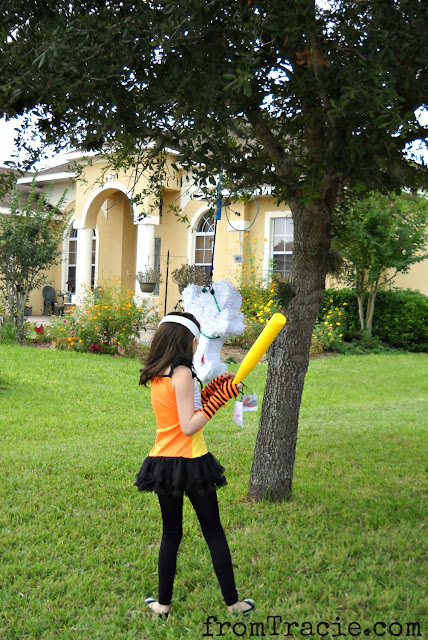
(375, 235)
(30, 236)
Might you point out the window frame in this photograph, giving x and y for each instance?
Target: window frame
(270, 216)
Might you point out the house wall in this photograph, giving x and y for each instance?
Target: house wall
(114, 218)
(417, 278)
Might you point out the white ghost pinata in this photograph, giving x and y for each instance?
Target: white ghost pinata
(218, 309)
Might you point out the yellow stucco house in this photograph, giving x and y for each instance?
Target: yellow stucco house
(107, 237)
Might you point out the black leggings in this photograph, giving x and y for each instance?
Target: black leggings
(206, 508)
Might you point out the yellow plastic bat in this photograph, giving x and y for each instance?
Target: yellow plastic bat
(260, 346)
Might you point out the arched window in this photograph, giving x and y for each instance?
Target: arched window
(204, 242)
(72, 260)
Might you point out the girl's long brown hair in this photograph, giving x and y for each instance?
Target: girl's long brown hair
(170, 340)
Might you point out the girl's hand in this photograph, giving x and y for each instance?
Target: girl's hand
(231, 376)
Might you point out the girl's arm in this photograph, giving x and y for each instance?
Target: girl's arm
(191, 421)
(182, 382)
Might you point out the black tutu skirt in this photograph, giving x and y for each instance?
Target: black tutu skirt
(174, 476)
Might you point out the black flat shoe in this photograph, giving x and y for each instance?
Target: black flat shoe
(150, 601)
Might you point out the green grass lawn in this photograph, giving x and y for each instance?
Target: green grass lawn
(79, 544)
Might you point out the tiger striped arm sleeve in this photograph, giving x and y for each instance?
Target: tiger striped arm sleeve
(211, 388)
(218, 399)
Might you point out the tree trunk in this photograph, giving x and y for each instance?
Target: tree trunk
(273, 461)
(371, 306)
(21, 301)
(360, 298)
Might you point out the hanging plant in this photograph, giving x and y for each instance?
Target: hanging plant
(190, 274)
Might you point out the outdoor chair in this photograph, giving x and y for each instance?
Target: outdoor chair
(48, 300)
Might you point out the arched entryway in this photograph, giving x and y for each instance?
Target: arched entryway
(125, 245)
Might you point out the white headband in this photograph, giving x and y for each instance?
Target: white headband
(186, 322)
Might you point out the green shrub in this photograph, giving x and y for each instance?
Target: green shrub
(400, 317)
(8, 333)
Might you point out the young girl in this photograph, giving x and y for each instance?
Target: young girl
(179, 461)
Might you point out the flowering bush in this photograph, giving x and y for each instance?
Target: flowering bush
(107, 321)
(258, 294)
(33, 333)
(328, 332)
(259, 302)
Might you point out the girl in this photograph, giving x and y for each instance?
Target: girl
(179, 461)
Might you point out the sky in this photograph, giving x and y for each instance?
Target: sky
(7, 144)
(7, 135)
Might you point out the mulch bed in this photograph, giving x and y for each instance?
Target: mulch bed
(228, 352)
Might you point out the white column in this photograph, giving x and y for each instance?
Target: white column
(84, 261)
(145, 248)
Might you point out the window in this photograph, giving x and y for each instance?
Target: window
(282, 245)
(204, 242)
(72, 260)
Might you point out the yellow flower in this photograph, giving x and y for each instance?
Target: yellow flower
(338, 324)
(331, 299)
(71, 343)
(345, 303)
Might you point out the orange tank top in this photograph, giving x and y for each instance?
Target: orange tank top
(170, 440)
